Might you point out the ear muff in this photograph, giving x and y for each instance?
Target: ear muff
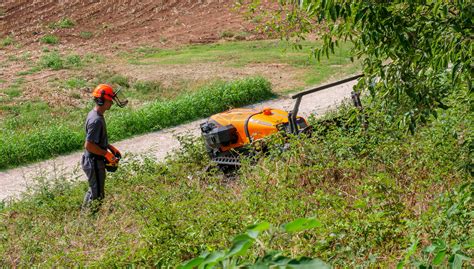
(100, 100)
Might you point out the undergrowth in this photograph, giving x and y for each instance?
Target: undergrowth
(382, 198)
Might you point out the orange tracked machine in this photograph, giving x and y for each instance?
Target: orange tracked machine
(227, 134)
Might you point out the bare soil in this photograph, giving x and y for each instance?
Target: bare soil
(121, 26)
(124, 23)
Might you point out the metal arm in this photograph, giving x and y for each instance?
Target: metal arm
(298, 96)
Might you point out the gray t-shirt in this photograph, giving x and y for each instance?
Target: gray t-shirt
(96, 130)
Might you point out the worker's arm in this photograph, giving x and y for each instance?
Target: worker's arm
(94, 148)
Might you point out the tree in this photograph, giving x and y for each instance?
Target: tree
(415, 53)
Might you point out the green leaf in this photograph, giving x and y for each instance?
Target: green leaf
(409, 252)
(301, 225)
(457, 259)
(191, 263)
(439, 244)
(213, 258)
(430, 249)
(240, 245)
(470, 243)
(308, 263)
(254, 230)
(438, 259)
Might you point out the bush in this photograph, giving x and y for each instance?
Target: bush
(19, 148)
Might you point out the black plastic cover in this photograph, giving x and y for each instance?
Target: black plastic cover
(216, 136)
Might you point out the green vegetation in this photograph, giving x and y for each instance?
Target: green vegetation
(44, 141)
(62, 24)
(235, 35)
(140, 91)
(415, 53)
(55, 61)
(381, 197)
(75, 83)
(52, 60)
(86, 35)
(242, 243)
(240, 54)
(6, 41)
(14, 89)
(226, 34)
(49, 39)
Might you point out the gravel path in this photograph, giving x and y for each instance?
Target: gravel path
(157, 144)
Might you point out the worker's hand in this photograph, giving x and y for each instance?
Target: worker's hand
(111, 158)
(115, 151)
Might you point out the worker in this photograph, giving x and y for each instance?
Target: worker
(98, 152)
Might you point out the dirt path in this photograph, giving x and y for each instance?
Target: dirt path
(157, 144)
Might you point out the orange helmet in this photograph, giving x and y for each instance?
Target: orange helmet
(105, 92)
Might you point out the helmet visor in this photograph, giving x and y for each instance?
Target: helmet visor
(120, 99)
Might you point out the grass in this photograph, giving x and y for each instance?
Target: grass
(241, 54)
(6, 41)
(226, 34)
(15, 88)
(53, 137)
(86, 35)
(138, 91)
(376, 193)
(49, 39)
(75, 83)
(63, 23)
(24, 117)
(55, 61)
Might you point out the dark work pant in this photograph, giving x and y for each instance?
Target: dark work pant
(95, 172)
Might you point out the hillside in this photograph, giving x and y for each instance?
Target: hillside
(125, 23)
(386, 184)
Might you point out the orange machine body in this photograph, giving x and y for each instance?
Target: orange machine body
(261, 123)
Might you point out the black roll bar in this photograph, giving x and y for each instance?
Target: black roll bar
(298, 96)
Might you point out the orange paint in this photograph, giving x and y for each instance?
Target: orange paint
(262, 124)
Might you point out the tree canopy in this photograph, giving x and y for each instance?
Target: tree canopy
(414, 53)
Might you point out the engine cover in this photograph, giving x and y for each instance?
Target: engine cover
(216, 136)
